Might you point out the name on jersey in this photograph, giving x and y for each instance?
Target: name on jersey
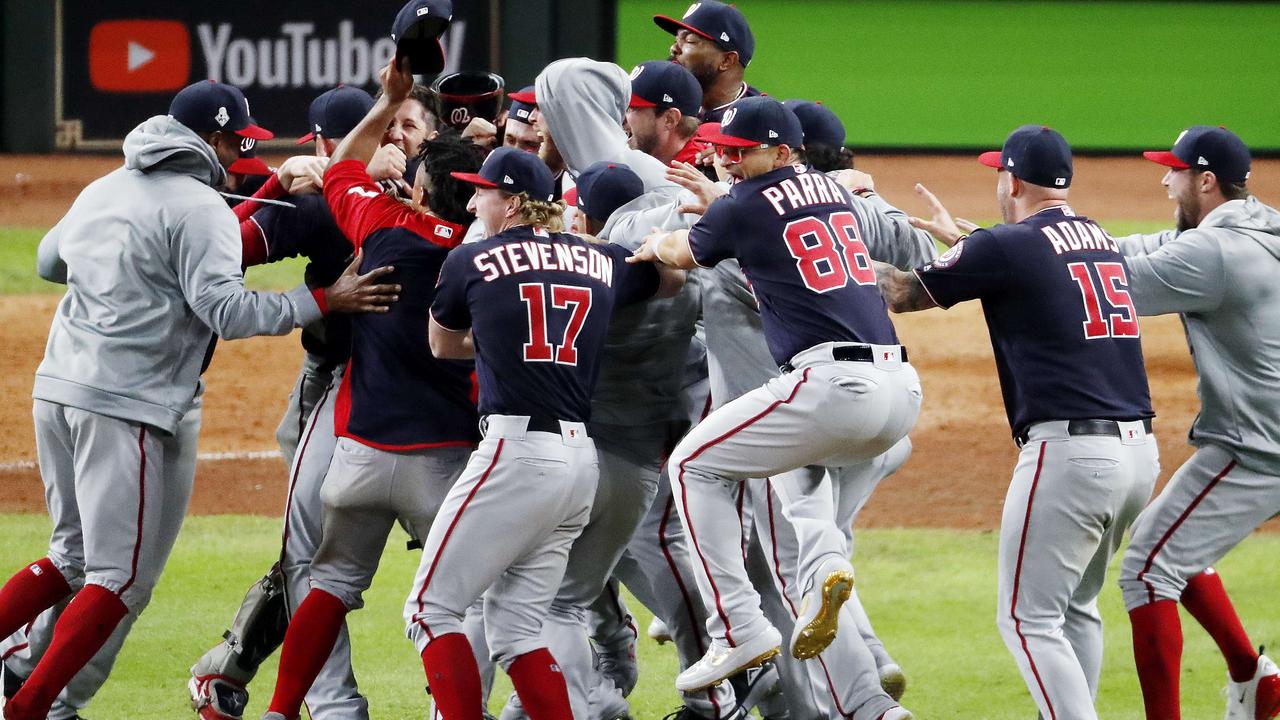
(1070, 235)
(514, 258)
(803, 190)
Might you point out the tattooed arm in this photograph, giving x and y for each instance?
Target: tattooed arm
(903, 291)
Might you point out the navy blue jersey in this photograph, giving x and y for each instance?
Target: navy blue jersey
(1054, 289)
(309, 230)
(800, 246)
(395, 394)
(714, 115)
(538, 305)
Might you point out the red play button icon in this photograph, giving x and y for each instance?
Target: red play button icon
(139, 55)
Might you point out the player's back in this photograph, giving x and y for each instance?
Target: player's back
(539, 305)
(1063, 326)
(800, 247)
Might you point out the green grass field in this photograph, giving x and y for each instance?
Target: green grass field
(961, 73)
(931, 594)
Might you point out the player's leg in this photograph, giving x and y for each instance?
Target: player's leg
(1209, 505)
(826, 411)
(843, 679)
(628, 481)
(119, 481)
(43, 583)
(511, 481)
(314, 378)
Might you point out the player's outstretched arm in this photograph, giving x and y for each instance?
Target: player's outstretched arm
(946, 229)
(669, 248)
(356, 293)
(449, 344)
(903, 291)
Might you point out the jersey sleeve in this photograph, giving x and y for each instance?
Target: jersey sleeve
(632, 282)
(449, 308)
(973, 268)
(360, 207)
(1184, 274)
(711, 238)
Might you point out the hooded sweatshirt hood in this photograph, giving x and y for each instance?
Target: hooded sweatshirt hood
(161, 143)
(583, 102)
(1251, 217)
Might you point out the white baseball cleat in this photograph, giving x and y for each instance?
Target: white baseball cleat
(1257, 698)
(721, 661)
(897, 713)
(819, 616)
(658, 631)
(893, 681)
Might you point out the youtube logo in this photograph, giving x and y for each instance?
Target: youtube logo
(138, 56)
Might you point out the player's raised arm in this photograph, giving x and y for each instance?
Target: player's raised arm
(362, 142)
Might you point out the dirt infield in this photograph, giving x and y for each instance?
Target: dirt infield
(963, 455)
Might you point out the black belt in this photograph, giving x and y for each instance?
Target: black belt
(850, 353)
(1108, 428)
(543, 424)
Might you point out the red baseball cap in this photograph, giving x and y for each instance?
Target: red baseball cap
(526, 96)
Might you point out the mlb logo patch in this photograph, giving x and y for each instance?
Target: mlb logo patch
(444, 231)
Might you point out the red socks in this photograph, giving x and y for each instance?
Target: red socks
(1207, 601)
(32, 590)
(307, 644)
(84, 627)
(540, 685)
(1157, 651)
(454, 678)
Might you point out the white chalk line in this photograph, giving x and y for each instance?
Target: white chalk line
(16, 465)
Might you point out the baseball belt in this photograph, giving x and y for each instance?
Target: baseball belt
(851, 353)
(1084, 427)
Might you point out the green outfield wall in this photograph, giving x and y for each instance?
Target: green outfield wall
(961, 74)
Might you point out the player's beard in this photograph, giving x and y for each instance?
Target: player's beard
(1187, 212)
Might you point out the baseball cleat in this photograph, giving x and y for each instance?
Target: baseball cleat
(897, 713)
(721, 661)
(618, 665)
(659, 631)
(893, 681)
(754, 686)
(215, 697)
(819, 617)
(1257, 698)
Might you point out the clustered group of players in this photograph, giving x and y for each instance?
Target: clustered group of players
(632, 330)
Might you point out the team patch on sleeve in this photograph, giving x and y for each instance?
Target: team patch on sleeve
(950, 257)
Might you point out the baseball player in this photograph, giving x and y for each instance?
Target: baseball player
(793, 512)
(663, 113)
(143, 290)
(518, 131)
(405, 422)
(1056, 294)
(715, 43)
(1217, 271)
(532, 304)
(269, 233)
(845, 373)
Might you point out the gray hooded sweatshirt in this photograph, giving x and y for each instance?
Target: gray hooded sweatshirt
(151, 257)
(1222, 278)
(647, 347)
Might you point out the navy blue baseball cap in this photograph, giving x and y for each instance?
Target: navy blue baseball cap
(755, 121)
(1203, 147)
(249, 163)
(821, 126)
(722, 24)
(604, 187)
(515, 172)
(522, 110)
(336, 112)
(416, 32)
(662, 84)
(1036, 154)
(207, 106)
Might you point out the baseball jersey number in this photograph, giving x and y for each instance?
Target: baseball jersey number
(822, 265)
(563, 297)
(1114, 282)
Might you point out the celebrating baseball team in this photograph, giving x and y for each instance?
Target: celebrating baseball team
(631, 331)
